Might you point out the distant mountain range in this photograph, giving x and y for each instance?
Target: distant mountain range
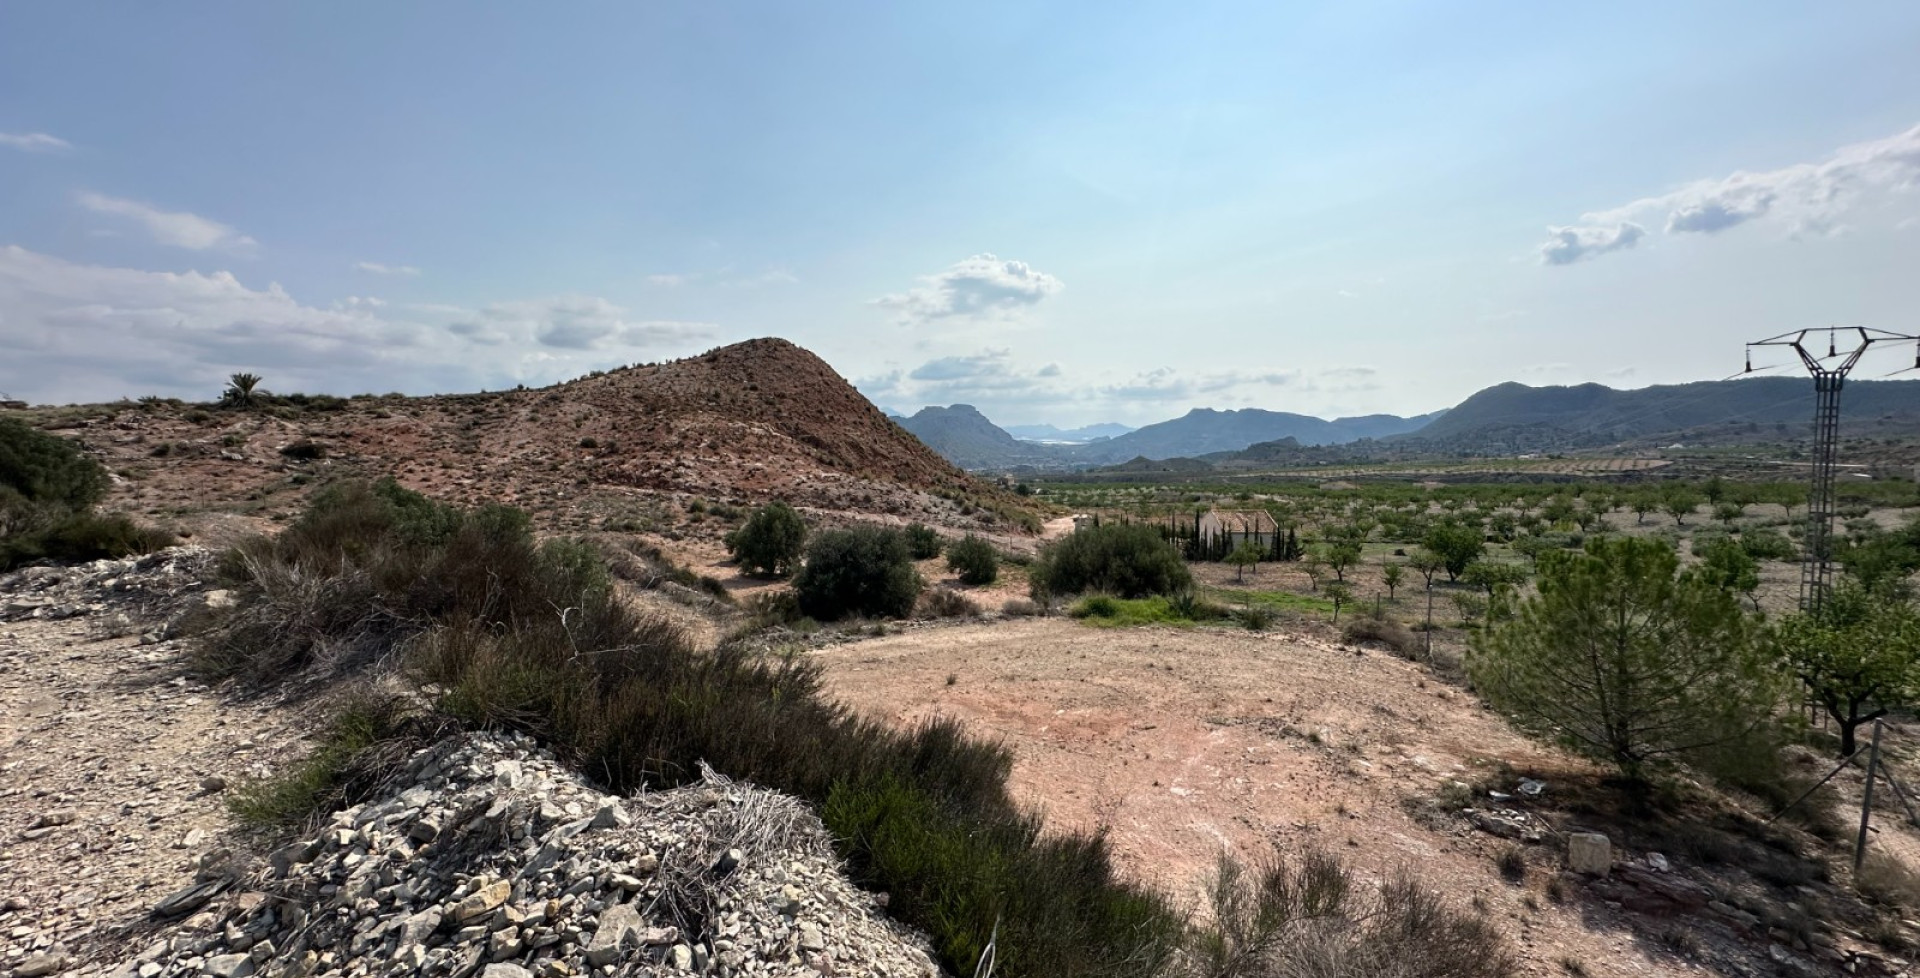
(1508, 418)
(1074, 436)
(965, 437)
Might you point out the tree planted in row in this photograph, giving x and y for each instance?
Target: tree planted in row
(1858, 654)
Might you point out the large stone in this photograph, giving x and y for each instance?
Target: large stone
(228, 966)
(611, 815)
(417, 928)
(183, 902)
(619, 928)
(811, 939)
(1590, 853)
(483, 901)
(40, 965)
(503, 970)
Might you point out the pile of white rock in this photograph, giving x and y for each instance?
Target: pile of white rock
(490, 858)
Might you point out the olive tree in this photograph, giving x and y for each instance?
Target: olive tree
(1626, 659)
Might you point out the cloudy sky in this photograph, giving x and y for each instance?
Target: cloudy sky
(1058, 212)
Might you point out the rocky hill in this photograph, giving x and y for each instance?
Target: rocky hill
(742, 424)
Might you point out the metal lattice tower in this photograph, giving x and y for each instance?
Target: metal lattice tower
(1829, 376)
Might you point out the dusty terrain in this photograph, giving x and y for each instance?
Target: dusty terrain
(1185, 742)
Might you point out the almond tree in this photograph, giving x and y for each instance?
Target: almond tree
(1858, 654)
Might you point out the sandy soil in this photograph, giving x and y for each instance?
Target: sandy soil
(1185, 742)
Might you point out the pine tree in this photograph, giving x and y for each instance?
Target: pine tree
(1626, 659)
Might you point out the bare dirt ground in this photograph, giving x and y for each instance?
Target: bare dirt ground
(1182, 743)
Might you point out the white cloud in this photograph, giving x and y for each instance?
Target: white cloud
(34, 142)
(667, 280)
(1804, 197)
(982, 286)
(1165, 384)
(380, 269)
(573, 323)
(176, 228)
(1567, 245)
(94, 332)
(992, 381)
(88, 332)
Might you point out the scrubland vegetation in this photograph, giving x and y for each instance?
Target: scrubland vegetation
(48, 489)
(511, 632)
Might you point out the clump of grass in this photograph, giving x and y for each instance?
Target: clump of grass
(1680, 939)
(1022, 608)
(1888, 881)
(1380, 631)
(943, 602)
(82, 536)
(1254, 617)
(366, 734)
(1313, 916)
(1513, 864)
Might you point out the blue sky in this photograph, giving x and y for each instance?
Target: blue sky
(1057, 212)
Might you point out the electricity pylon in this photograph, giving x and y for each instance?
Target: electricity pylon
(1829, 376)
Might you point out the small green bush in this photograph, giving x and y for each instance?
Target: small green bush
(1765, 544)
(1127, 559)
(923, 541)
(865, 570)
(48, 470)
(974, 560)
(1255, 617)
(769, 542)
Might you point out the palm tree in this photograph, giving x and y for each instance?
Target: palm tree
(240, 389)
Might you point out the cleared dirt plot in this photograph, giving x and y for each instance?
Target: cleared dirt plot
(1182, 742)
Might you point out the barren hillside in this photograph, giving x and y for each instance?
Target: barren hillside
(631, 448)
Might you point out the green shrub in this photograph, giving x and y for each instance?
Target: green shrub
(923, 541)
(305, 450)
(1130, 560)
(48, 470)
(366, 734)
(974, 560)
(769, 542)
(1765, 544)
(865, 570)
(1255, 617)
